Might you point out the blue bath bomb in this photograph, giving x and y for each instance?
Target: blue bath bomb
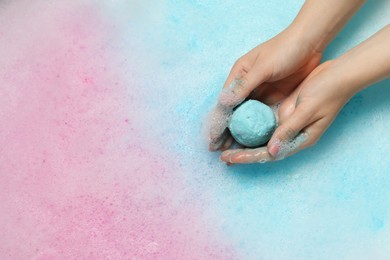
(252, 123)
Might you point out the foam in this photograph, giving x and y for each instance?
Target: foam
(220, 116)
(287, 147)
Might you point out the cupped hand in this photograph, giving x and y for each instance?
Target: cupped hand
(269, 73)
(303, 117)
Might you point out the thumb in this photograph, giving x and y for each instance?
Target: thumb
(289, 135)
(240, 88)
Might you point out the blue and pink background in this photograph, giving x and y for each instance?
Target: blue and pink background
(102, 150)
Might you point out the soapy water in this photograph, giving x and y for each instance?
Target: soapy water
(220, 116)
(229, 97)
(217, 124)
(289, 146)
(261, 154)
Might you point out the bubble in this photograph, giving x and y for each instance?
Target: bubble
(228, 97)
(218, 120)
(262, 161)
(287, 147)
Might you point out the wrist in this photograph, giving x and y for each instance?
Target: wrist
(306, 41)
(348, 77)
(320, 21)
(331, 79)
(355, 74)
(367, 63)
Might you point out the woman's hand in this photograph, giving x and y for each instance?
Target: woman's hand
(275, 68)
(303, 117)
(310, 109)
(269, 72)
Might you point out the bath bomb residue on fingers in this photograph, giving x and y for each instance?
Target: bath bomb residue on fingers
(252, 123)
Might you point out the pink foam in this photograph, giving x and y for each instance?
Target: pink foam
(77, 177)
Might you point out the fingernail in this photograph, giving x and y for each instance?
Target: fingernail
(214, 146)
(274, 149)
(224, 156)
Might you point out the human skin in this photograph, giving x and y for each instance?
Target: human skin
(312, 107)
(273, 70)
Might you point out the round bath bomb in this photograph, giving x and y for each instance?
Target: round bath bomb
(252, 123)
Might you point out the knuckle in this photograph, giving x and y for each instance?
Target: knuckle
(305, 112)
(311, 143)
(238, 63)
(285, 111)
(290, 133)
(242, 82)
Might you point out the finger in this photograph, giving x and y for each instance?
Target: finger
(220, 116)
(218, 143)
(218, 122)
(315, 131)
(228, 143)
(287, 136)
(272, 96)
(241, 88)
(286, 109)
(313, 134)
(275, 109)
(288, 105)
(239, 69)
(245, 156)
(269, 94)
(288, 84)
(257, 92)
(230, 97)
(308, 137)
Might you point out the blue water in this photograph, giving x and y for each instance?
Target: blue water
(327, 202)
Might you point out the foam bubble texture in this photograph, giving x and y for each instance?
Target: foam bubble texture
(287, 147)
(219, 118)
